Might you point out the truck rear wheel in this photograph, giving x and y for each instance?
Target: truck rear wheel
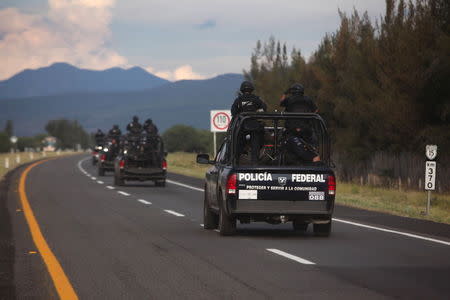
(161, 183)
(101, 171)
(322, 229)
(118, 180)
(210, 219)
(227, 224)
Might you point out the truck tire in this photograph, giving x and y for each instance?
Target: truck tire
(322, 229)
(210, 219)
(118, 180)
(101, 171)
(299, 226)
(161, 183)
(227, 224)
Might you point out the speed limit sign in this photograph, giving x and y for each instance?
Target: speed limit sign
(220, 120)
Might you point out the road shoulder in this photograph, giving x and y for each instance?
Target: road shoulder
(27, 274)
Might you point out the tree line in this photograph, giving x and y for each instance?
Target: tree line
(68, 135)
(381, 86)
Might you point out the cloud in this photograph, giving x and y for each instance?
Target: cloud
(184, 72)
(207, 24)
(73, 31)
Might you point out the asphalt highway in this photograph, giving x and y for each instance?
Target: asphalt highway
(145, 242)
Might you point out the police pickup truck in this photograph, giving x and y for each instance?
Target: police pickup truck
(271, 167)
(142, 159)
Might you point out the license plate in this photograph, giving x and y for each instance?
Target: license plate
(248, 194)
(316, 196)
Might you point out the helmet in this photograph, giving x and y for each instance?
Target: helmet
(116, 126)
(135, 118)
(247, 87)
(148, 121)
(297, 88)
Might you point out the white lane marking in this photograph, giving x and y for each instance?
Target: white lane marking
(100, 182)
(203, 225)
(173, 213)
(110, 187)
(350, 223)
(217, 230)
(123, 193)
(185, 185)
(145, 202)
(290, 256)
(93, 178)
(394, 231)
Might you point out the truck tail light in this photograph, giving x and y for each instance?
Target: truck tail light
(231, 184)
(331, 185)
(121, 164)
(164, 165)
(103, 157)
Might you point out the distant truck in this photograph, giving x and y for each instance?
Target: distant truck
(107, 155)
(142, 159)
(276, 187)
(49, 144)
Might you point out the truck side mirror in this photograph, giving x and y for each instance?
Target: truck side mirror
(203, 159)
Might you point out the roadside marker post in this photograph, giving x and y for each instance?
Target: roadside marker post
(430, 173)
(219, 121)
(6, 163)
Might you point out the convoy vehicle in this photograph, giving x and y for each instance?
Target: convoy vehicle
(142, 159)
(107, 155)
(272, 188)
(95, 154)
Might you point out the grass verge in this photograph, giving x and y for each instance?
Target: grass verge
(401, 203)
(17, 159)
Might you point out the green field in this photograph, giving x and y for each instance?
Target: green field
(17, 159)
(401, 203)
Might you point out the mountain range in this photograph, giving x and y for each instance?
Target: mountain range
(110, 97)
(62, 78)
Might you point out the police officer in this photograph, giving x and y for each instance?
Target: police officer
(134, 127)
(247, 101)
(294, 100)
(299, 148)
(99, 137)
(115, 132)
(150, 128)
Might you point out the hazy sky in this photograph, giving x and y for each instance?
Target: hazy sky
(172, 39)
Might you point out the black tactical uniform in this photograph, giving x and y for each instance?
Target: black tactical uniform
(299, 148)
(99, 137)
(297, 101)
(150, 128)
(115, 132)
(248, 102)
(134, 127)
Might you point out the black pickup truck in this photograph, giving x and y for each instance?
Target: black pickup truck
(273, 184)
(107, 155)
(142, 159)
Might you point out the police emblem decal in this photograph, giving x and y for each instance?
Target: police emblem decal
(282, 181)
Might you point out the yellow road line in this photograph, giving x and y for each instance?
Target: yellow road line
(60, 280)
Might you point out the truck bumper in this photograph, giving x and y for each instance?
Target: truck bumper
(282, 207)
(143, 174)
